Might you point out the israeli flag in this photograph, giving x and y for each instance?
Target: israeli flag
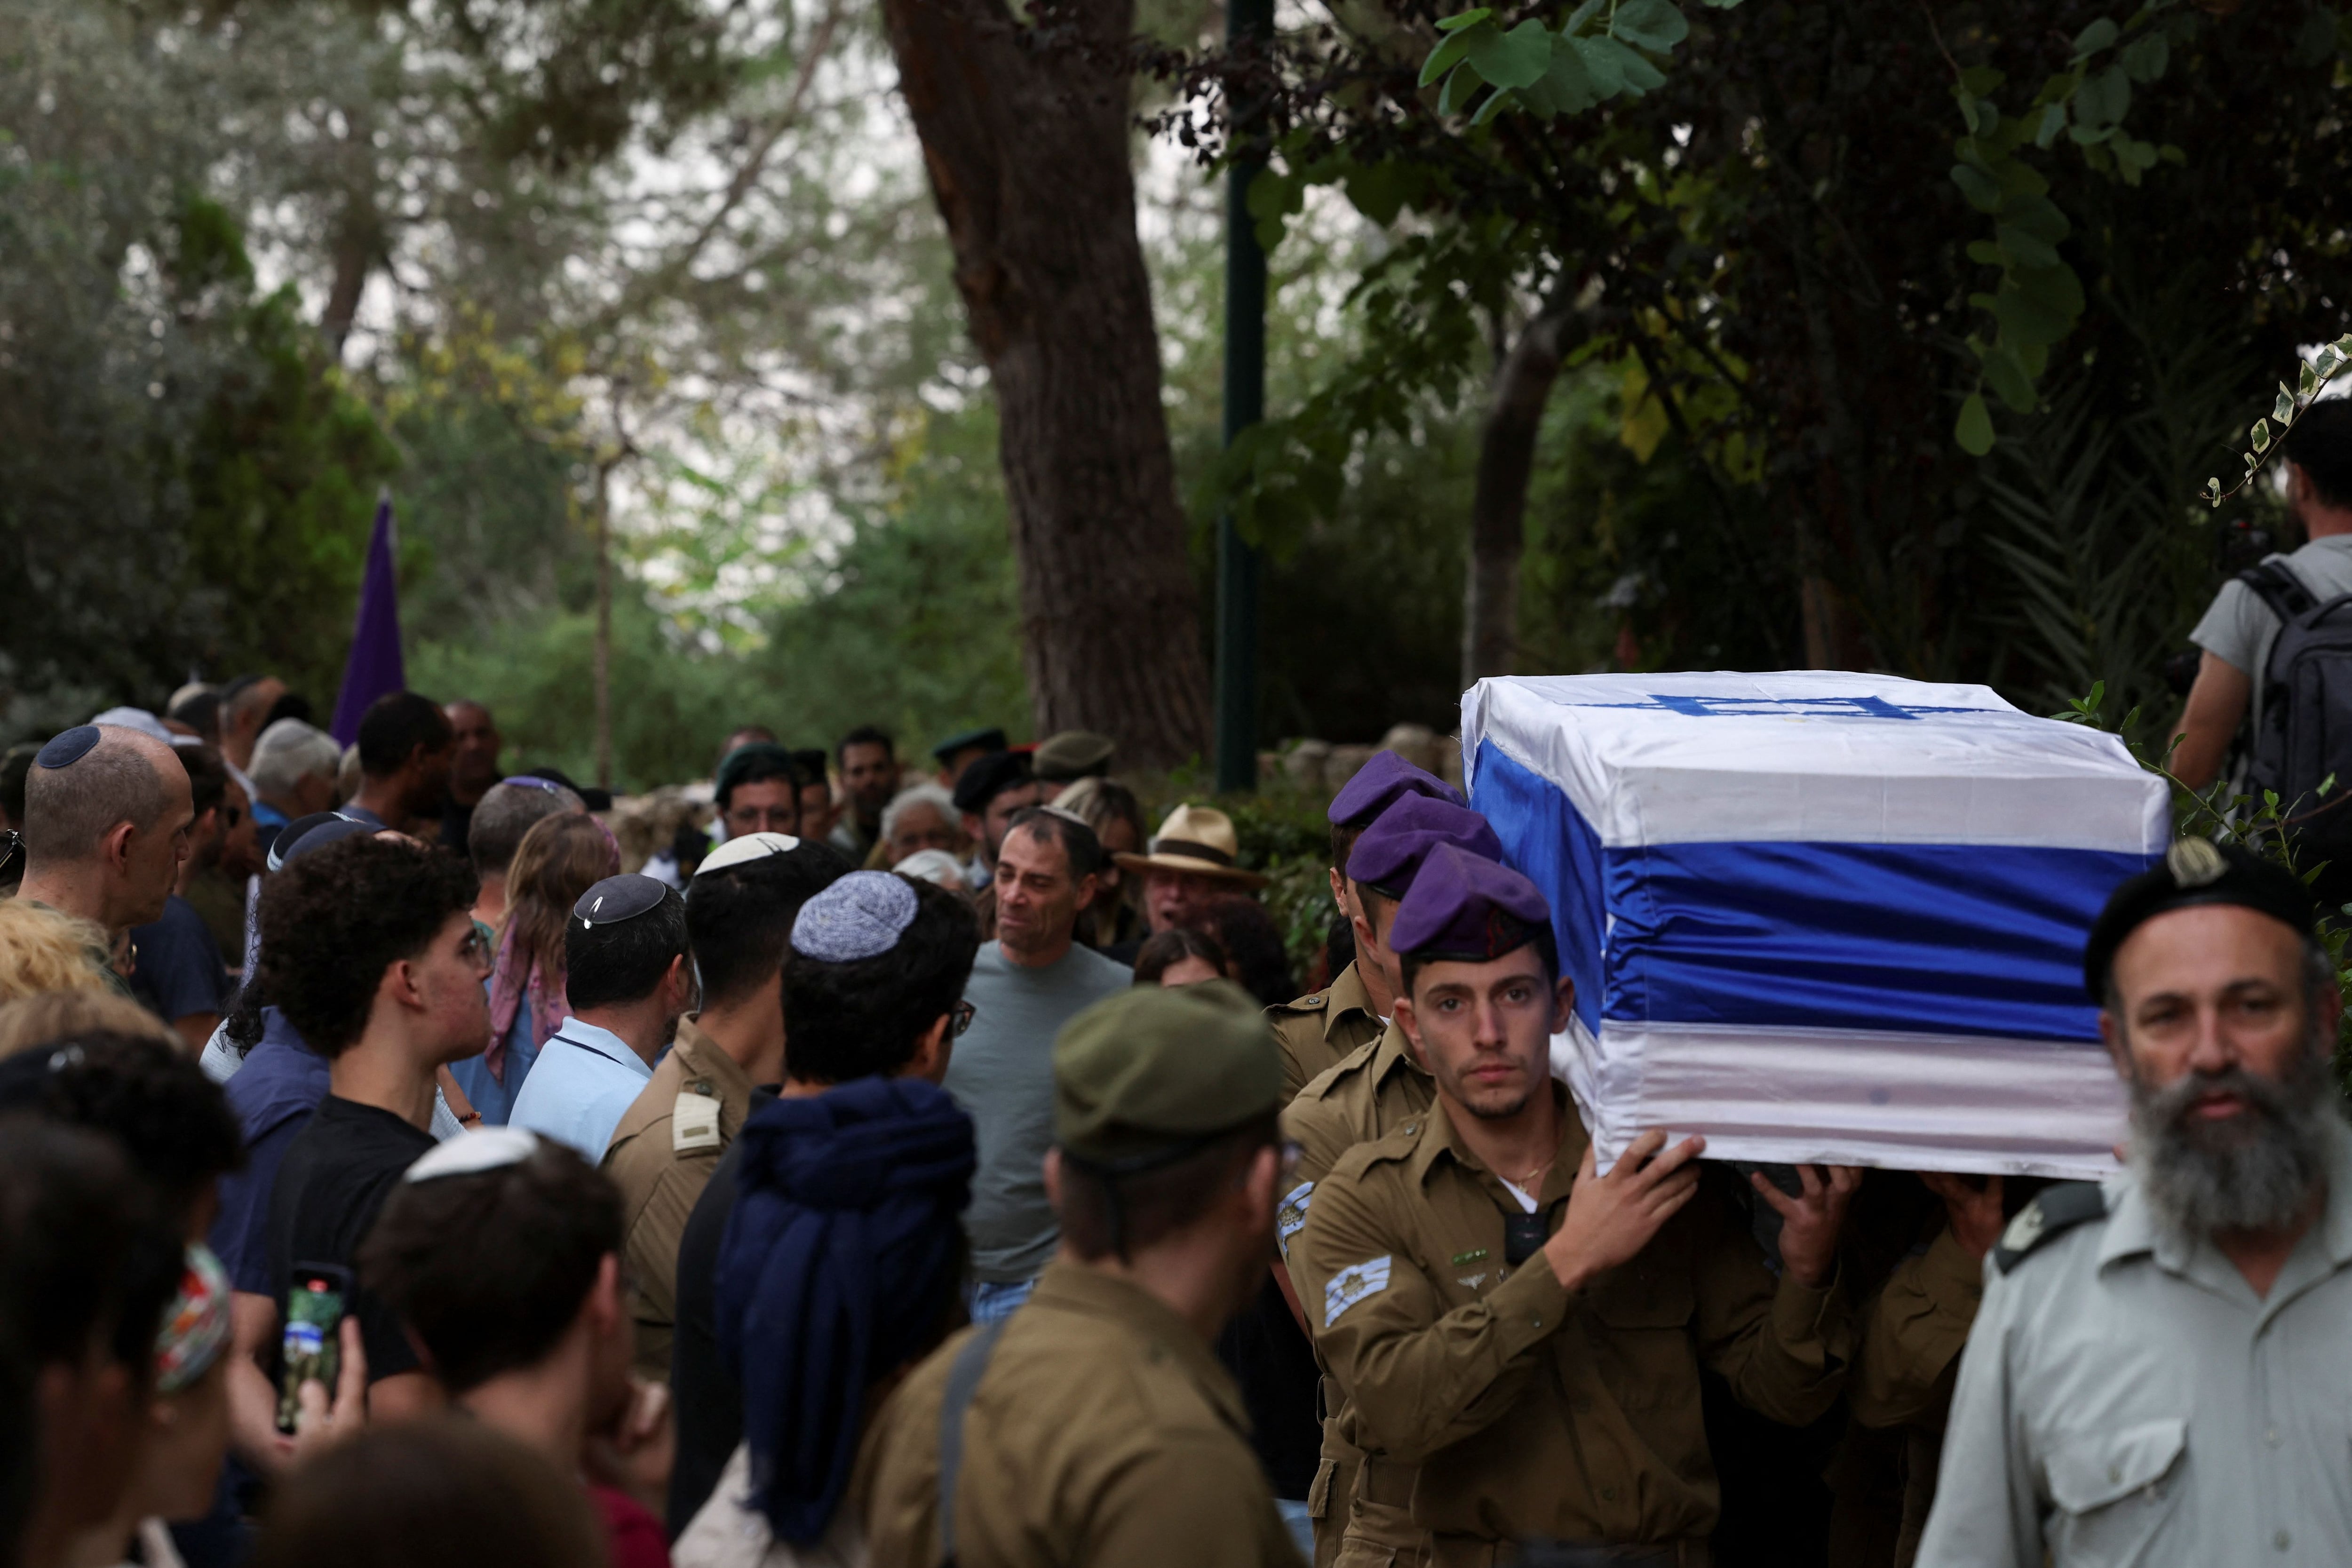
(1821, 916)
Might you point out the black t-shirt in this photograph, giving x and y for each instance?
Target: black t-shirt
(457, 822)
(333, 1184)
(708, 1404)
(1275, 1365)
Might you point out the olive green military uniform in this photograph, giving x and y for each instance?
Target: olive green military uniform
(1103, 1432)
(1373, 1092)
(1320, 1030)
(1498, 1407)
(1908, 1362)
(661, 1162)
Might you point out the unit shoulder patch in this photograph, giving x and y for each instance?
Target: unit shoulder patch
(2054, 1211)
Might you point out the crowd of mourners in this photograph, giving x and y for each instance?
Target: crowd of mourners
(942, 1165)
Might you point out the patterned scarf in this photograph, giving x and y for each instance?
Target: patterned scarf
(510, 982)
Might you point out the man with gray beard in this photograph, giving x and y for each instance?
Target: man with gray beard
(2161, 1370)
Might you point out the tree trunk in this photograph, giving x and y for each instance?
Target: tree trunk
(359, 232)
(1498, 509)
(1025, 138)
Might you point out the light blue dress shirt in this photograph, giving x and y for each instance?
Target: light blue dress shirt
(2127, 1398)
(584, 1080)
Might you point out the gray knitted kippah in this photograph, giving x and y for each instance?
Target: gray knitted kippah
(861, 916)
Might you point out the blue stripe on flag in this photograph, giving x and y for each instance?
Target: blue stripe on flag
(1950, 939)
(1548, 841)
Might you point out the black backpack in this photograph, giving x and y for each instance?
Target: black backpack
(2307, 729)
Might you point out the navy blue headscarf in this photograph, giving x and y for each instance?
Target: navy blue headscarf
(839, 1262)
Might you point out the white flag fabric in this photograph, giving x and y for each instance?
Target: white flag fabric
(1821, 916)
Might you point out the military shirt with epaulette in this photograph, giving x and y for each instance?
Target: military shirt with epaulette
(1533, 1412)
(1320, 1030)
(1375, 1091)
(2126, 1397)
(1103, 1434)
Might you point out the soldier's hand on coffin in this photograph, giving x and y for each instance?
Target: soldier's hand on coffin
(1973, 1211)
(1810, 1221)
(1610, 1218)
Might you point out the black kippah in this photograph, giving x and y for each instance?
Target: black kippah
(2193, 872)
(618, 899)
(63, 750)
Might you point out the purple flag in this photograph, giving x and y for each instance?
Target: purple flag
(373, 668)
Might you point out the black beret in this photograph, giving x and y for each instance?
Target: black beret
(2193, 872)
(985, 778)
(987, 740)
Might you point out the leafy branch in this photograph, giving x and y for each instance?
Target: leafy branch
(2260, 823)
(1601, 51)
(2039, 298)
(2317, 374)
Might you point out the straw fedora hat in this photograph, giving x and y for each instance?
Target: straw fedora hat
(1197, 839)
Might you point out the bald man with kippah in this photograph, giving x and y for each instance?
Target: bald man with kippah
(107, 814)
(1095, 1426)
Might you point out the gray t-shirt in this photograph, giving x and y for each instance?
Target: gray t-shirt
(2239, 627)
(1001, 1073)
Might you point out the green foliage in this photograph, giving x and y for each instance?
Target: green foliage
(1602, 50)
(671, 706)
(280, 476)
(2260, 823)
(185, 479)
(909, 623)
(1422, 302)
(2038, 299)
(914, 622)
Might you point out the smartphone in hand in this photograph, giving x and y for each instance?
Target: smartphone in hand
(313, 1346)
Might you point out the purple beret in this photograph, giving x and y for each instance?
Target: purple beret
(1392, 848)
(1380, 783)
(1469, 909)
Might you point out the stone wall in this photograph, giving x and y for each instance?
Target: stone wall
(1318, 765)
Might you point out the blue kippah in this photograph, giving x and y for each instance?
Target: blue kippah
(63, 750)
(861, 916)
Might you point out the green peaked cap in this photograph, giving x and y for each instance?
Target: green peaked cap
(1149, 1073)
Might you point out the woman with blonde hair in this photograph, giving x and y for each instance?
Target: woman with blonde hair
(47, 1015)
(42, 950)
(560, 859)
